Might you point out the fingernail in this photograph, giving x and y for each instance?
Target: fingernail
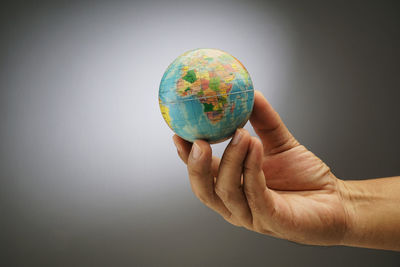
(178, 147)
(237, 137)
(196, 151)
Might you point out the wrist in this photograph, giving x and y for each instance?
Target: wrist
(372, 213)
(350, 195)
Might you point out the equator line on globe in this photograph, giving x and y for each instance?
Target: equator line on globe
(206, 94)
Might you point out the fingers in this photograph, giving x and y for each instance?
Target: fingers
(269, 127)
(228, 186)
(199, 163)
(249, 204)
(259, 197)
(257, 194)
(183, 148)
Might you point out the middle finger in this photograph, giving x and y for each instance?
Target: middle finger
(228, 185)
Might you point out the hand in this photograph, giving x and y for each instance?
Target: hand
(275, 187)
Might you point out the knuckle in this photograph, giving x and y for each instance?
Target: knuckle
(206, 199)
(194, 172)
(228, 159)
(225, 194)
(251, 167)
(259, 227)
(232, 220)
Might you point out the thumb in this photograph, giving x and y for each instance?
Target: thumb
(266, 122)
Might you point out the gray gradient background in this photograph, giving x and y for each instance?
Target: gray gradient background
(89, 174)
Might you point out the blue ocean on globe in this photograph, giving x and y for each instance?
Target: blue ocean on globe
(206, 94)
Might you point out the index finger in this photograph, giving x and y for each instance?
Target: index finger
(184, 148)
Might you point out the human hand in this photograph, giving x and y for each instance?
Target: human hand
(275, 187)
(278, 187)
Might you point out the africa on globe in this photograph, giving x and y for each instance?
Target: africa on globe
(206, 94)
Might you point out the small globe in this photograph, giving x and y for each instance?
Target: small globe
(206, 94)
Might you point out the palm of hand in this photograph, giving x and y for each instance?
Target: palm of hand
(276, 187)
(308, 206)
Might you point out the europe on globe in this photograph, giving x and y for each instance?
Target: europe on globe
(206, 94)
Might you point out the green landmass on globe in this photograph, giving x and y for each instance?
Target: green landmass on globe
(206, 94)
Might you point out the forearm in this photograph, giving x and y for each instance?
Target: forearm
(373, 208)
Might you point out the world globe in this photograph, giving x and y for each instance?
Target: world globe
(206, 94)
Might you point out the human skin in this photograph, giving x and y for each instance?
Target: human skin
(275, 186)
